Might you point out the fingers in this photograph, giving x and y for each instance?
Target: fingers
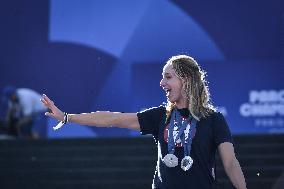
(48, 114)
(52, 115)
(46, 104)
(54, 112)
(46, 99)
(43, 101)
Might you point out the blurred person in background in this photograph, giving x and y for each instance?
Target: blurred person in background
(24, 113)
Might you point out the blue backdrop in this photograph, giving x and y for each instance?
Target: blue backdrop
(108, 55)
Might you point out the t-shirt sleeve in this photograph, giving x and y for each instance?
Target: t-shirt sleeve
(221, 131)
(150, 120)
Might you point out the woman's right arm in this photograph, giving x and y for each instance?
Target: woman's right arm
(99, 119)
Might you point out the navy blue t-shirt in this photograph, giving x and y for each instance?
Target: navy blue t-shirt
(210, 132)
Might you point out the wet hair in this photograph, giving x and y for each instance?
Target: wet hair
(194, 86)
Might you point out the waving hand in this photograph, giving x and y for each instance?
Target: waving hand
(54, 111)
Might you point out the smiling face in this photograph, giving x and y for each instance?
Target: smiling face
(185, 86)
(172, 85)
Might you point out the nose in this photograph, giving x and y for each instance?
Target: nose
(162, 82)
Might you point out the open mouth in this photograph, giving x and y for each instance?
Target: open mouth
(167, 91)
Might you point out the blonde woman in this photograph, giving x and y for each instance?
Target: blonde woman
(188, 130)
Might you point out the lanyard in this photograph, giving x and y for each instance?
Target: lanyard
(177, 119)
(187, 146)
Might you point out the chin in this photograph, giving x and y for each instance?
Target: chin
(171, 100)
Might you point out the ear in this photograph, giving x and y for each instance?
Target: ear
(183, 93)
(183, 82)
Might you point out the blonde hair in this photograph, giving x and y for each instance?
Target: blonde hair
(194, 89)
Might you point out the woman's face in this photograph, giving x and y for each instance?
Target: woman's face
(172, 85)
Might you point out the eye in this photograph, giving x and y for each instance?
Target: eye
(168, 77)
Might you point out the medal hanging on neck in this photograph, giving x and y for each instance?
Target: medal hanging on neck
(187, 161)
(170, 159)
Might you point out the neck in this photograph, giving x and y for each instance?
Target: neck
(182, 104)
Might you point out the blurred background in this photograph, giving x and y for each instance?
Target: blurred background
(108, 55)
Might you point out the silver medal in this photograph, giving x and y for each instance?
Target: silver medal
(186, 163)
(170, 160)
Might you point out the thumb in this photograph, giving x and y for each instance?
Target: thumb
(48, 114)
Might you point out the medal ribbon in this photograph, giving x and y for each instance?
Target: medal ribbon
(187, 146)
(175, 116)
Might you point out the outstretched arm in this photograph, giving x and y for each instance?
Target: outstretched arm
(231, 165)
(99, 119)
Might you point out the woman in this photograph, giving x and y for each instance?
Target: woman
(188, 131)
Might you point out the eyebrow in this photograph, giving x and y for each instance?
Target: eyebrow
(167, 73)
